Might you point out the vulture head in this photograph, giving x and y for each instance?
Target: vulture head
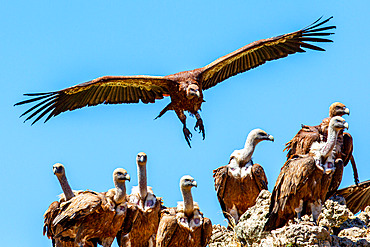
(338, 123)
(141, 159)
(187, 182)
(58, 170)
(338, 109)
(192, 91)
(120, 175)
(258, 135)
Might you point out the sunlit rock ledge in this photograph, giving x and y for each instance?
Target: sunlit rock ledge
(337, 226)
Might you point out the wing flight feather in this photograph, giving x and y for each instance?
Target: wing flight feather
(258, 52)
(103, 90)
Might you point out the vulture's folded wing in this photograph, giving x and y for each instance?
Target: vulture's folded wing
(258, 52)
(78, 207)
(220, 177)
(107, 90)
(206, 232)
(166, 229)
(259, 176)
(302, 141)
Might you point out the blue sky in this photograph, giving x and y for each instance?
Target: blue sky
(47, 46)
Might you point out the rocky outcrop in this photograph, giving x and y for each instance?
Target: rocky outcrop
(337, 226)
(222, 237)
(249, 230)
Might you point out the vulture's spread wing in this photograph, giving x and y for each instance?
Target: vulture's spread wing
(258, 52)
(259, 176)
(107, 90)
(357, 196)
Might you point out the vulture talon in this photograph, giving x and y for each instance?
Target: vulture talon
(200, 125)
(188, 135)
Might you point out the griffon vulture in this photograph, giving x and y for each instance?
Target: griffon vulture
(185, 224)
(304, 180)
(357, 196)
(143, 228)
(53, 210)
(184, 88)
(239, 183)
(302, 141)
(93, 218)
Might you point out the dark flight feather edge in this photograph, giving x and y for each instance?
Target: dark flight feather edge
(39, 104)
(31, 100)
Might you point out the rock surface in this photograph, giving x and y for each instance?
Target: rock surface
(222, 237)
(337, 226)
(249, 230)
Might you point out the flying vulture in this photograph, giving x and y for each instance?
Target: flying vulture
(239, 183)
(304, 180)
(143, 228)
(302, 141)
(185, 224)
(54, 208)
(184, 88)
(93, 218)
(357, 196)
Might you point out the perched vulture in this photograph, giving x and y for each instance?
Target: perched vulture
(54, 207)
(184, 88)
(303, 140)
(304, 180)
(357, 196)
(239, 183)
(93, 218)
(185, 224)
(141, 230)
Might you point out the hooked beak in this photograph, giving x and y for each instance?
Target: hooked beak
(346, 111)
(194, 183)
(141, 159)
(270, 138)
(346, 125)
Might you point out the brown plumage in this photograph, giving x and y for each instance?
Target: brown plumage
(303, 140)
(52, 212)
(143, 225)
(184, 88)
(238, 184)
(185, 224)
(93, 218)
(357, 196)
(304, 180)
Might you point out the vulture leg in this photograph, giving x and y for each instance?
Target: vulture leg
(200, 125)
(299, 210)
(186, 131)
(355, 174)
(316, 210)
